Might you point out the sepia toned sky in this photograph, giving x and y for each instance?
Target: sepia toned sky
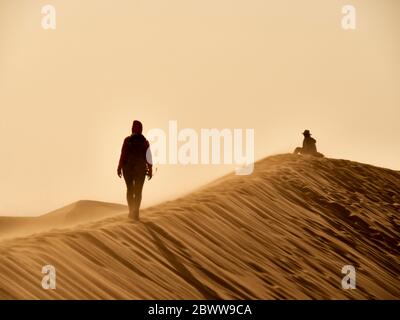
(68, 96)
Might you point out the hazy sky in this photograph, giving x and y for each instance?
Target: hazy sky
(68, 96)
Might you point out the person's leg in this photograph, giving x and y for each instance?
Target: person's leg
(137, 189)
(298, 150)
(128, 176)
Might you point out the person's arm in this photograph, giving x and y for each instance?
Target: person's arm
(305, 143)
(122, 159)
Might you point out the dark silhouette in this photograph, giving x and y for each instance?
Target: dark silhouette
(309, 146)
(134, 164)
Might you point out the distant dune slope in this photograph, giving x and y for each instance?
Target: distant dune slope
(79, 212)
(285, 232)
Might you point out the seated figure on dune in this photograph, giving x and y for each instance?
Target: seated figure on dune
(134, 165)
(309, 146)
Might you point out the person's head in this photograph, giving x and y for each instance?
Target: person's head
(137, 127)
(306, 133)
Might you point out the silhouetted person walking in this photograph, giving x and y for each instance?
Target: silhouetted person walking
(134, 164)
(309, 146)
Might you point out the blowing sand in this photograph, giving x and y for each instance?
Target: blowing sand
(284, 232)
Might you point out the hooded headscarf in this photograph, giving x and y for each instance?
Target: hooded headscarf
(137, 127)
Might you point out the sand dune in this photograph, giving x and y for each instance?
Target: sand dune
(71, 215)
(285, 232)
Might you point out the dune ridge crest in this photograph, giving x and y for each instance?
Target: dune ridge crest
(284, 232)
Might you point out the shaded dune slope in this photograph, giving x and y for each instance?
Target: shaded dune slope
(285, 232)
